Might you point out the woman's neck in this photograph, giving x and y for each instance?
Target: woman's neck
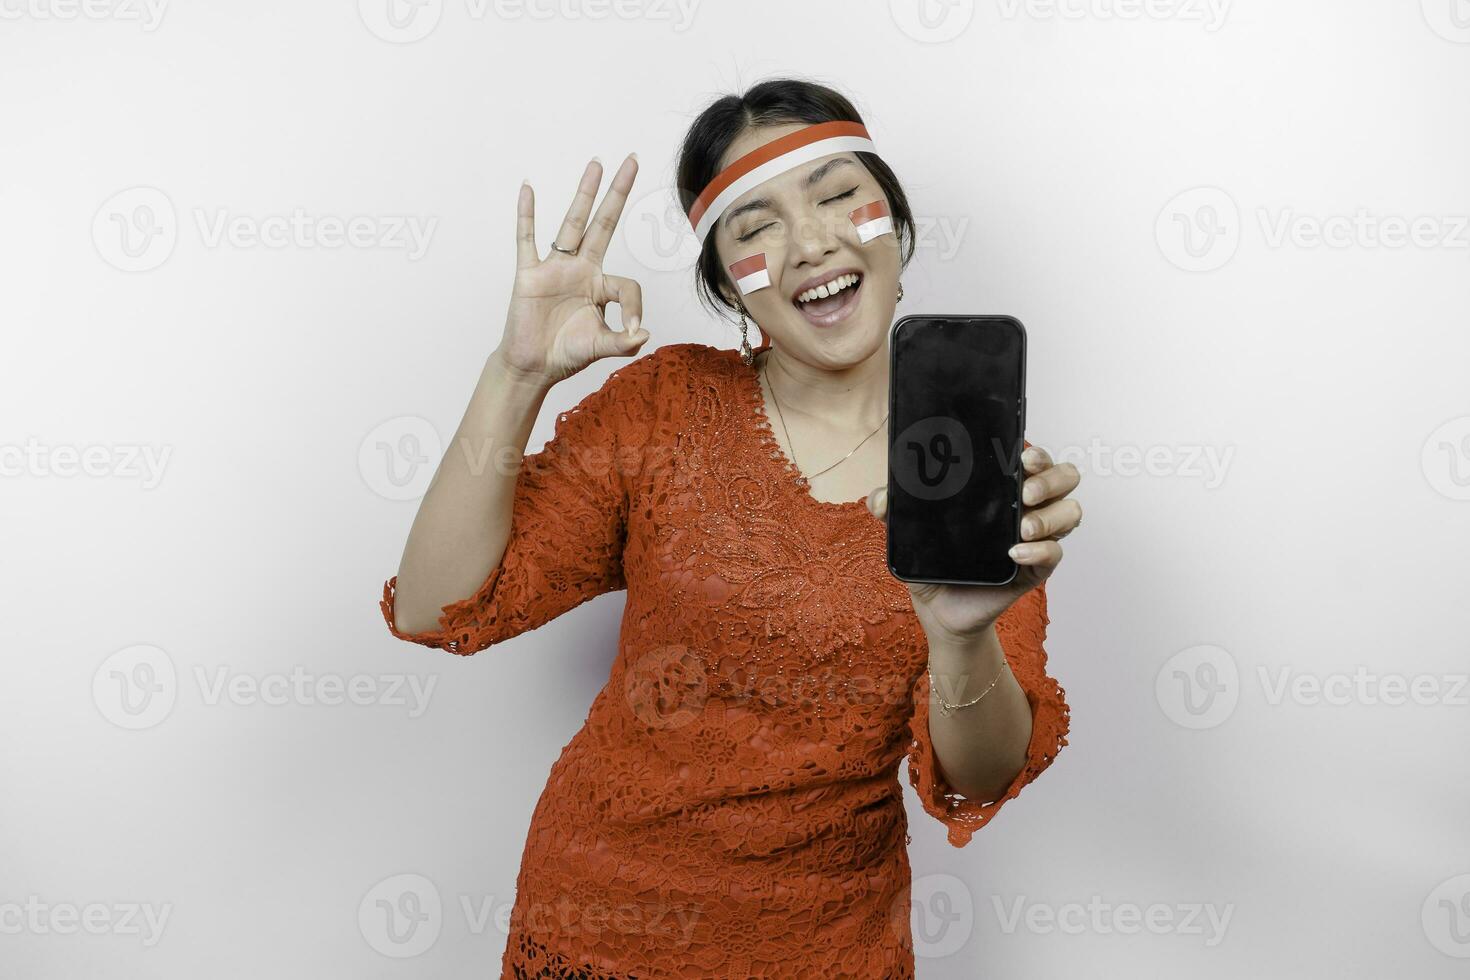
(854, 396)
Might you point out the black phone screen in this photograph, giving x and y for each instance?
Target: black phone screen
(956, 426)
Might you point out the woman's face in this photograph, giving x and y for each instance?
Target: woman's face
(799, 219)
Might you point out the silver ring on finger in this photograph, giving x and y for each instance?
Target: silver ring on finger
(568, 251)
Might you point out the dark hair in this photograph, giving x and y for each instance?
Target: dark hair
(772, 102)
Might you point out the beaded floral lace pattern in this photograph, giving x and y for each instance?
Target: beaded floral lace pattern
(731, 807)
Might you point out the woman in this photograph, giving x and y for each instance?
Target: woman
(731, 807)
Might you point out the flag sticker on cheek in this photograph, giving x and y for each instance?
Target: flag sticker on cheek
(871, 220)
(750, 273)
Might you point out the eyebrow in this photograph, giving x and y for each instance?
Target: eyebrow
(765, 202)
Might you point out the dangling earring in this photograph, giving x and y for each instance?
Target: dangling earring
(745, 351)
(900, 290)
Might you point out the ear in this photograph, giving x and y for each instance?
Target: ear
(727, 292)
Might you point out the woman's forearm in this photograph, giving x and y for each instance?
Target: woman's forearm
(979, 749)
(463, 522)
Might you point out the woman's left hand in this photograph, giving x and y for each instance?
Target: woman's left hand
(959, 613)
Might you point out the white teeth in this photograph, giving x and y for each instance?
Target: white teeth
(829, 288)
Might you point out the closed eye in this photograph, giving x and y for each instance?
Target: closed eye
(751, 234)
(844, 194)
(756, 231)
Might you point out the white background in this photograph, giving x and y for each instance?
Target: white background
(1057, 156)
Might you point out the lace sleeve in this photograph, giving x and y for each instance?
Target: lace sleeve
(1021, 630)
(568, 523)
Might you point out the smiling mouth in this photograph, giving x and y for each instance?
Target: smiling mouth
(842, 296)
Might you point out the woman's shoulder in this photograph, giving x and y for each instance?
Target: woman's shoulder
(665, 372)
(690, 355)
(647, 398)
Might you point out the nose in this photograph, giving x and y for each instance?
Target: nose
(813, 239)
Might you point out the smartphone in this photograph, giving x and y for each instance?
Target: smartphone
(956, 426)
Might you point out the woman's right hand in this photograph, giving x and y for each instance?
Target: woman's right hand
(556, 326)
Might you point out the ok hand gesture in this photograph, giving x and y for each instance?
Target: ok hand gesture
(556, 324)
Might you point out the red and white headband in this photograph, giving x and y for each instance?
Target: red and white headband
(765, 162)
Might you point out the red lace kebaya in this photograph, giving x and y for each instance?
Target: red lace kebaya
(731, 807)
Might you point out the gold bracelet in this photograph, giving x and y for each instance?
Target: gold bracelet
(946, 709)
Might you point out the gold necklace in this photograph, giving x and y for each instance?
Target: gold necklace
(765, 373)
